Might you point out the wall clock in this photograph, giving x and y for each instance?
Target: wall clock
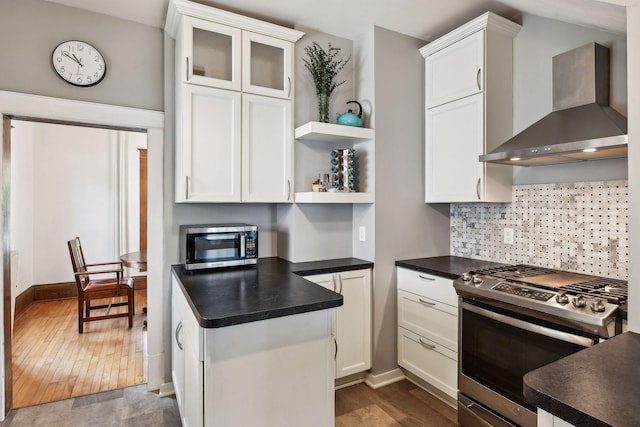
(79, 63)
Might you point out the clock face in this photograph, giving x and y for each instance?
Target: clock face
(79, 63)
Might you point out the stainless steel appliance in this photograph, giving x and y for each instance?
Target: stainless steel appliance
(582, 125)
(515, 319)
(218, 245)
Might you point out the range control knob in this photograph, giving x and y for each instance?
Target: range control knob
(466, 277)
(562, 298)
(579, 301)
(597, 305)
(477, 279)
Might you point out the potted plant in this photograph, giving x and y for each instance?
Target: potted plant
(324, 67)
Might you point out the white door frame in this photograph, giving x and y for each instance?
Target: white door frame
(21, 105)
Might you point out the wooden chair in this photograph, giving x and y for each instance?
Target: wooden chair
(88, 289)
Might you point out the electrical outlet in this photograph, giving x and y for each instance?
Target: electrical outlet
(508, 236)
(361, 234)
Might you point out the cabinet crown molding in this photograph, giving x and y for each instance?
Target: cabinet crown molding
(178, 8)
(488, 20)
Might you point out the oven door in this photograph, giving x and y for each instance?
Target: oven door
(497, 348)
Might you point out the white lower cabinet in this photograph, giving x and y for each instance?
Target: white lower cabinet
(273, 372)
(428, 328)
(352, 333)
(187, 361)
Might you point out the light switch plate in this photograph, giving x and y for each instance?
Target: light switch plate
(361, 234)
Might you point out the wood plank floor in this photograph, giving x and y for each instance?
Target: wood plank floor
(398, 404)
(52, 361)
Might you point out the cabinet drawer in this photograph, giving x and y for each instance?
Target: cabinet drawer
(429, 318)
(433, 363)
(428, 285)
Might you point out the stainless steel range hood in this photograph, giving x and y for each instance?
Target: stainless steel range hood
(581, 127)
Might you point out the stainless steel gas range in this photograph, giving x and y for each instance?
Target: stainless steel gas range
(515, 319)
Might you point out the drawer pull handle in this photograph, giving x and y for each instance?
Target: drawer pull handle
(426, 302)
(427, 345)
(431, 279)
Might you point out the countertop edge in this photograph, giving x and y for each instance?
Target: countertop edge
(610, 365)
(297, 270)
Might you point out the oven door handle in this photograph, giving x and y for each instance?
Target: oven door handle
(531, 327)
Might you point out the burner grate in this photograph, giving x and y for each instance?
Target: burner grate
(614, 290)
(514, 272)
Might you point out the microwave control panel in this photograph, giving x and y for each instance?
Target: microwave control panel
(251, 244)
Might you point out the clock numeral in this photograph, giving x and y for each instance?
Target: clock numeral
(70, 75)
(62, 69)
(89, 79)
(96, 75)
(59, 59)
(100, 67)
(80, 48)
(79, 80)
(96, 58)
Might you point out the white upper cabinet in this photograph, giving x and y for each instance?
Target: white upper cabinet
(266, 149)
(455, 72)
(468, 111)
(211, 54)
(234, 116)
(455, 172)
(267, 65)
(208, 158)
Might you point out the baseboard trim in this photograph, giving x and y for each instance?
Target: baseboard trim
(24, 300)
(58, 291)
(386, 378)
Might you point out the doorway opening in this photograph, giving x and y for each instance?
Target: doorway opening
(69, 181)
(47, 109)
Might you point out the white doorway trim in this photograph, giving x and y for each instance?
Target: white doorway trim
(80, 112)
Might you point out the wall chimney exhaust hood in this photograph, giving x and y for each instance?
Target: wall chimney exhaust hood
(582, 125)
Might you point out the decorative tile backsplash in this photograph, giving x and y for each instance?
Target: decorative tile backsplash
(580, 227)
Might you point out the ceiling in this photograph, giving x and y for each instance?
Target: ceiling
(424, 19)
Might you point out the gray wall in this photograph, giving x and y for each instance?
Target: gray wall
(537, 42)
(31, 29)
(405, 227)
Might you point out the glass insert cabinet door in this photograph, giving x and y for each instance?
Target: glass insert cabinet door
(213, 54)
(266, 65)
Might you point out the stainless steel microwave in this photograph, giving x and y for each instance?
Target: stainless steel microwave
(218, 245)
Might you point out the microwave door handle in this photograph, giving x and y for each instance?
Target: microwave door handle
(243, 240)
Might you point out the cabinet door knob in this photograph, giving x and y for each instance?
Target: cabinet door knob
(431, 279)
(289, 91)
(187, 75)
(478, 189)
(186, 187)
(288, 189)
(478, 78)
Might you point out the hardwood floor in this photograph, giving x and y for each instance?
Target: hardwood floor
(51, 361)
(398, 404)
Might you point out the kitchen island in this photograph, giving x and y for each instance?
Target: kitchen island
(593, 387)
(253, 345)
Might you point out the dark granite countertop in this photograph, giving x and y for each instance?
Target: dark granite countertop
(593, 387)
(272, 288)
(450, 267)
